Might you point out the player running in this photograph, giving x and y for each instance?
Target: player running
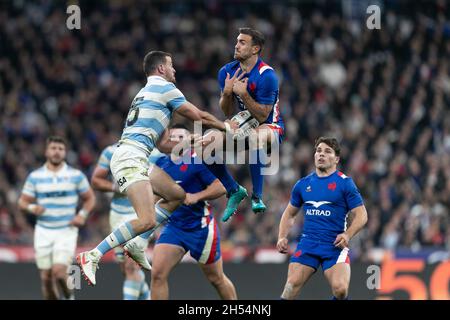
(51, 193)
(327, 196)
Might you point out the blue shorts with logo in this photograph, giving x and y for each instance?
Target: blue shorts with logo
(314, 253)
(203, 244)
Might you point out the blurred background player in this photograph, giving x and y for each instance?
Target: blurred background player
(51, 193)
(148, 117)
(134, 286)
(192, 226)
(327, 196)
(254, 85)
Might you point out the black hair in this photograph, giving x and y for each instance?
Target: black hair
(153, 59)
(257, 37)
(331, 142)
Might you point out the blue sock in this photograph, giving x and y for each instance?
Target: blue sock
(131, 289)
(221, 173)
(255, 172)
(161, 216)
(119, 236)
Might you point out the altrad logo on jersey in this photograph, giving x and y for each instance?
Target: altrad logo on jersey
(317, 212)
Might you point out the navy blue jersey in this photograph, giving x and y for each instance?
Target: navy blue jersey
(326, 202)
(262, 86)
(193, 178)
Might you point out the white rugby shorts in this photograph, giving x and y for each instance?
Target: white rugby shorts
(54, 246)
(129, 164)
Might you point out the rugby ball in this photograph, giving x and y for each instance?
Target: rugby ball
(246, 122)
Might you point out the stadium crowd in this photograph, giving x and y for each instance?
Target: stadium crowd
(385, 94)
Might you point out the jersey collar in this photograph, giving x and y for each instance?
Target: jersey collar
(317, 176)
(62, 169)
(149, 78)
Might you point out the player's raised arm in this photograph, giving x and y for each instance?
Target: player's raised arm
(191, 112)
(286, 223)
(166, 145)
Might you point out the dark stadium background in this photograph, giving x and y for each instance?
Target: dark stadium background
(385, 94)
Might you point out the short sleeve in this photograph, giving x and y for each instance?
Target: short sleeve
(155, 156)
(205, 175)
(29, 187)
(221, 77)
(162, 161)
(352, 195)
(82, 183)
(105, 158)
(296, 196)
(175, 98)
(267, 88)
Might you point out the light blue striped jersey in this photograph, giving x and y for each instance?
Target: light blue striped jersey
(151, 112)
(120, 203)
(57, 192)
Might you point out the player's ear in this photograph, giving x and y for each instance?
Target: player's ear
(161, 68)
(337, 159)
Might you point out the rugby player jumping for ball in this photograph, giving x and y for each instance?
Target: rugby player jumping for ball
(254, 85)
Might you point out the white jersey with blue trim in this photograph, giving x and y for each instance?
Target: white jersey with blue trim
(58, 192)
(120, 203)
(151, 112)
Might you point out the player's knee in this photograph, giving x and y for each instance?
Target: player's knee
(340, 290)
(216, 279)
(295, 282)
(158, 275)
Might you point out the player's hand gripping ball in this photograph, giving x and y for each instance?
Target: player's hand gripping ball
(247, 123)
